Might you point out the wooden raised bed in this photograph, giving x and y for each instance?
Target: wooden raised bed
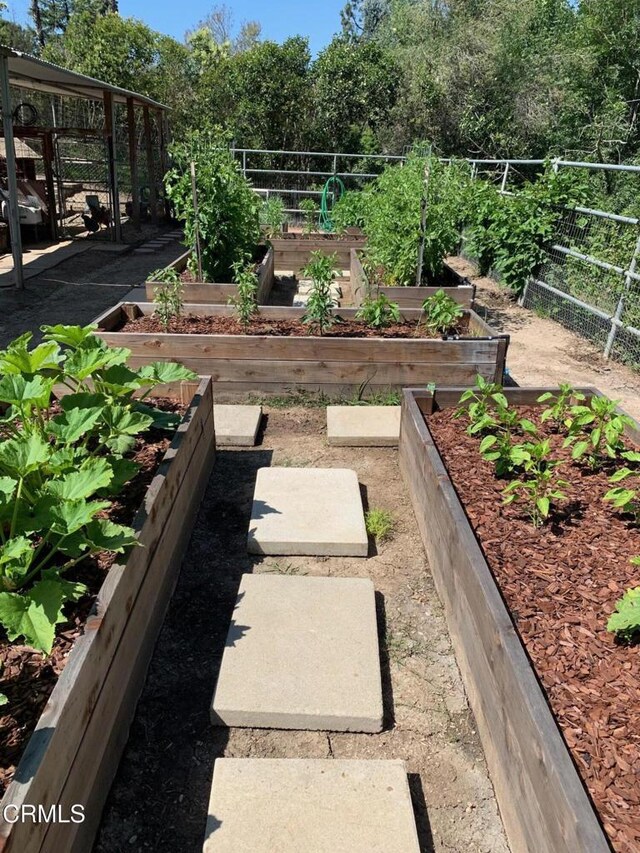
(73, 754)
(214, 293)
(265, 363)
(544, 804)
(293, 251)
(406, 297)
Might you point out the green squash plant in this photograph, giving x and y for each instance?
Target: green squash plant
(61, 464)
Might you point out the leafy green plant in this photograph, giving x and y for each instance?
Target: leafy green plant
(559, 404)
(379, 313)
(625, 498)
(166, 275)
(595, 431)
(319, 313)
(246, 300)
(310, 212)
(227, 219)
(272, 216)
(380, 524)
(168, 299)
(59, 465)
(498, 447)
(479, 405)
(540, 485)
(625, 621)
(441, 312)
(350, 210)
(3, 699)
(391, 217)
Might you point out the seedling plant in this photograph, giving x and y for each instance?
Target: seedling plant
(624, 622)
(310, 211)
(168, 297)
(380, 524)
(246, 300)
(595, 431)
(540, 485)
(442, 313)
(319, 314)
(60, 466)
(272, 216)
(379, 313)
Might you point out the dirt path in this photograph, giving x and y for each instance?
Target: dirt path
(159, 799)
(543, 352)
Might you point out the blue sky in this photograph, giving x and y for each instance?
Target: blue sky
(318, 19)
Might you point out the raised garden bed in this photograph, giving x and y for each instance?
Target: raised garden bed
(293, 251)
(334, 365)
(214, 293)
(554, 697)
(409, 297)
(73, 753)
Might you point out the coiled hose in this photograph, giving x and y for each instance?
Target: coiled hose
(332, 191)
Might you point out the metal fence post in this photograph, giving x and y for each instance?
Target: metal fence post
(504, 178)
(617, 317)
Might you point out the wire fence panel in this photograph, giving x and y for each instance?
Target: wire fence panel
(587, 281)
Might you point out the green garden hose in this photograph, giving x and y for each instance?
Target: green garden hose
(331, 192)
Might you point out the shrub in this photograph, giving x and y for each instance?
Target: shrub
(392, 218)
(350, 211)
(228, 208)
(379, 312)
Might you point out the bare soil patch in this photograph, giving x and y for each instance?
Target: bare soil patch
(542, 352)
(160, 796)
(561, 583)
(192, 324)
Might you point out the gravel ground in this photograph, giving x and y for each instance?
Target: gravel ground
(159, 799)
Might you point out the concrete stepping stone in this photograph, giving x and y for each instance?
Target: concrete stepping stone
(363, 426)
(301, 653)
(236, 425)
(292, 805)
(307, 511)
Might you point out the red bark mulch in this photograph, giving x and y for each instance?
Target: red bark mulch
(561, 583)
(218, 325)
(27, 677)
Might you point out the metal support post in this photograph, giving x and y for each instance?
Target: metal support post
(12, 177)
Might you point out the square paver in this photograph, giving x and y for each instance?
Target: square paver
(236, 425)
(363, 426)
(307, 511)
(270, 805)
(301, 653)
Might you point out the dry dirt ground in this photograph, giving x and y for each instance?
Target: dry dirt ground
(159, 799)
(543, 352)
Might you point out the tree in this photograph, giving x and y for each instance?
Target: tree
(355, 87)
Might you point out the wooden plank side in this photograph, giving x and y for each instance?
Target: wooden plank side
(317, 349)
(332, 372)
(542, 800)
(50, 752)
(97, 760)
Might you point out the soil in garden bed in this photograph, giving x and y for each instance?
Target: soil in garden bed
(561, 583)
(28, 677)
(216, 325)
